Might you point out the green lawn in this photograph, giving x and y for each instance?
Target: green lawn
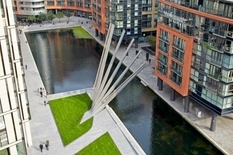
(68, 113)
(79, 32)
(104, 145)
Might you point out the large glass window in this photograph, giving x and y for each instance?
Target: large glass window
(119, 24)
(178, 42)
(213, 71)
(164, 35)
(214, 56)
(119, 7)
(178, 54)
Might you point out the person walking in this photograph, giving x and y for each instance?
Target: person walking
(47, 142)
(46, 146)
(41, 147)
(41, 92)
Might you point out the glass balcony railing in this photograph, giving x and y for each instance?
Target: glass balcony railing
(216, 76)
(213, 61)
(218, 31)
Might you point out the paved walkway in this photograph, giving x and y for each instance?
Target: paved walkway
(42, 124)
(222, 138)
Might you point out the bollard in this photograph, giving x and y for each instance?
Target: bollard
(136, 52)
(147, 56)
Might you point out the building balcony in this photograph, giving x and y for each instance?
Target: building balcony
(202, 8)
(230, 34)
(215, 46)
(226, 79)
(213, 61)
(228, 49)
(215, 76)
(218, 32)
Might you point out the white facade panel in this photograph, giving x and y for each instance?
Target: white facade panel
(13, 98)
(5, 54)
(17, 127)
(9, 128)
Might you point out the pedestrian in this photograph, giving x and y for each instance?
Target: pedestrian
(41, 147)
(26, 66)
(46, 146)
(149, 60)
(45, 103)
(47, 142)
(41, 93)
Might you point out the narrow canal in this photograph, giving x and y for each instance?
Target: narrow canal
(66, 64)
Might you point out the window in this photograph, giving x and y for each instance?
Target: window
(136, 6)
(119, 7)
(135, 22)
(178, 42)
(213, 71)
(119, 24)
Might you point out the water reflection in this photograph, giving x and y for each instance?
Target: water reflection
(64, 63)
(68, 64)
(158, 129)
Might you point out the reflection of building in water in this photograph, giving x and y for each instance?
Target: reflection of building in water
(44, 57)
(194, 52)
(14, 105)
(61, 59)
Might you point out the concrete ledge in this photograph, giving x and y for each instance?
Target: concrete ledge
(70, 93)
(125, 131)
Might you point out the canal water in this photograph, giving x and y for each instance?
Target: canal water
(66, 64)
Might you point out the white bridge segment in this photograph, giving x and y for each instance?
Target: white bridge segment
(103, 91)
(104, 94)
(105, 87)
(109, 67)
(103, 59)
(113, 94)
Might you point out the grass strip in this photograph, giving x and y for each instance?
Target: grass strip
(79, 32)
(68, 113)
(104, 145)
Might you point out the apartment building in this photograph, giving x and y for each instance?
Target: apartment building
(24, 8)
(15, 134)
(149, 17)
(137, 18)
(81, 8)
(194, 53)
